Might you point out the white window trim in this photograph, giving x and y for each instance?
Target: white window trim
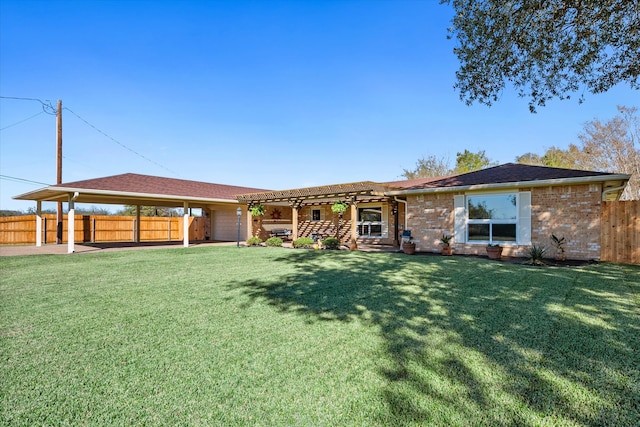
(522, 221)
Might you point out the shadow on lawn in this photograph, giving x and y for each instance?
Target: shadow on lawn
(479, 342)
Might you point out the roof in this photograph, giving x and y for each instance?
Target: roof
(507, 175)
(132, 188)
(362, 188)
(158, 191)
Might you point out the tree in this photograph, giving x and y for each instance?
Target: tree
(469, 162)
(612, 146)
(130, 210)
(428, 167)
(546, 49)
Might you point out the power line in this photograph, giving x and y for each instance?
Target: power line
(22, 180)
(46, 104)
(119, 143)
(22, 121)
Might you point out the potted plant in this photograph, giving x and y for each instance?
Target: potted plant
(494, 251)
(445, 241)
(559, 243)
(339, 207)
(409, 247)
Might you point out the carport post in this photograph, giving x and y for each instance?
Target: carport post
(39, 223)
(137, 235)
(185, 225)
(71, 224)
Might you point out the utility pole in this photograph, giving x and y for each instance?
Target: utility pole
(59, 169)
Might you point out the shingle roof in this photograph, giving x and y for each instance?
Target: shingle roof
(147, 184)
(506, 173)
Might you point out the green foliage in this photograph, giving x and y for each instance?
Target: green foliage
(257, 210)
(536, 254)
(273, 241)
(429, 166)
(546, 49)
(469, 162)
(254, 241)
(130, 210)
(303, 242)
(446, 239)
(558, 242)
(339, 207)
(331, 243)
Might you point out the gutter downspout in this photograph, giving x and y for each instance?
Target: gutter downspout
(405, 209)
(611, 190)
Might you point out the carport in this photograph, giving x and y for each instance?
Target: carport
(136, 190)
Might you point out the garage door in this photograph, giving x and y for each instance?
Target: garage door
(225, 224)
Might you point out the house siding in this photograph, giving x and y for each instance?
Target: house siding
(569, 211)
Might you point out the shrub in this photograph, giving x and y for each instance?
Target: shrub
(273, 241)
(303, 242)
(331, 243)
(536, 253)
(254, 241)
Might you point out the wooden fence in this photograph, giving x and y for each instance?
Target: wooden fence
(620, 232)
(21, 230)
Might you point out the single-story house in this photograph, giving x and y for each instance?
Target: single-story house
(514, 205)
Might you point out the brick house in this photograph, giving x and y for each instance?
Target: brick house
(514, 205)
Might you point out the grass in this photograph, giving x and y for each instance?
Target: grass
(270, 336)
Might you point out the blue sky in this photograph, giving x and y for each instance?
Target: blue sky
(268, 94)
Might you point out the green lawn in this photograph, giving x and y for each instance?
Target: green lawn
(269, 336)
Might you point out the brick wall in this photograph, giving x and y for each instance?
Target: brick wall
(429, 216)
(569, 211)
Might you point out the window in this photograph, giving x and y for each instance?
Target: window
(370, 221)
(315, 215)
(492, 218)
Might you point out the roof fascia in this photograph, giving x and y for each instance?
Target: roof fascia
(515, 184)
(124, 194)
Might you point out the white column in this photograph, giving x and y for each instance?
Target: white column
(185, 225)
(38, 223)
(71, 226)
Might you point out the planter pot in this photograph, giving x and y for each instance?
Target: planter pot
(447, 250)
(353, 246)
(494, 252)
(409, 248)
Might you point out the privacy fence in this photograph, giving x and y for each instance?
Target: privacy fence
(620, 232)
(21, 230)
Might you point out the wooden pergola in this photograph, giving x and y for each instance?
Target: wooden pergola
(352, 193)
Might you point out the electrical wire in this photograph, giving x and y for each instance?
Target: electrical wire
(22, 121)
(46, 104)
(119, 143)
(22, 180)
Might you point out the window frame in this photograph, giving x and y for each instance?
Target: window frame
(491, 222)
(384, 232)
(313, 211)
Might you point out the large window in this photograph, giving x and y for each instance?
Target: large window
(492, 218)
(370, 221)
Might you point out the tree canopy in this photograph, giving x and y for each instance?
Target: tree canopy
(611, 146)
(546, 49)
(432, 166)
